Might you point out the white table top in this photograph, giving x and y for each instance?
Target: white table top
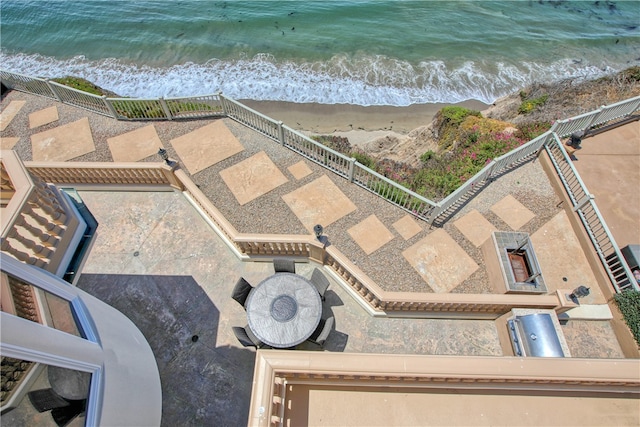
(284, 310)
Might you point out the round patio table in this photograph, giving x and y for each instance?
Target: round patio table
(284, 310)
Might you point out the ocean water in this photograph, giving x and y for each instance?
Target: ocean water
(360, 52)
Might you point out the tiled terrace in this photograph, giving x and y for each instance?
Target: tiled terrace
(159, 262)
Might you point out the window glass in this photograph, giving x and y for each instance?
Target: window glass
(42, 395)
(32, 303)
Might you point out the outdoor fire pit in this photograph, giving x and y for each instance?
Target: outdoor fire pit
(512, 264)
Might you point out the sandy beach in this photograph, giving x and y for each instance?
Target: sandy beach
(353, 120)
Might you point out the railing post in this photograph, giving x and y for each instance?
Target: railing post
(492, 167)
(281, 132)
(586, 199)
(435, 212)
(165, 108)
(112, 110)
(169, 172)
(593, 119)
(352, 167)
(223, 104)
(53, 90)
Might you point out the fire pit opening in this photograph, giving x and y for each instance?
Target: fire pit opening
(518, 265)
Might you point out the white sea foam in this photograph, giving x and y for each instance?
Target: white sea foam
(363, 80)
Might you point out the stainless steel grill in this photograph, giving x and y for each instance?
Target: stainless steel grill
(535, 335)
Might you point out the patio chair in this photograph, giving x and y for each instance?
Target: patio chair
(322, 332)
(282, 265)
(246, 337)
(320, 281)
(241, 291)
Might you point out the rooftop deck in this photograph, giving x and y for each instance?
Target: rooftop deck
(160, 263)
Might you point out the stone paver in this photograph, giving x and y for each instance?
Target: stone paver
(407, 227)
(370, 234)
(299, 170)
(206, 146)
(7, 143)
(512, 212)
(252, 177)
(319, 202)
(135, 145)
(9, 113)
(63, 143)
(43, 117)
(475, 227)
(562, 260)
(440, 261)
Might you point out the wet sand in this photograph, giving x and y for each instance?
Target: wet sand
(334, 118)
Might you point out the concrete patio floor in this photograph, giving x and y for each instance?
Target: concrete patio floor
(158, 262)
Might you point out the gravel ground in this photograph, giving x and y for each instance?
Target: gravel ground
(269, 214)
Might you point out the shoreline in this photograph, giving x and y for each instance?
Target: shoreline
(313, 118)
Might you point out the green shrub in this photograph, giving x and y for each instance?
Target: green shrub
(447, 123)
(80, 84)
(629, 304)
(454, 115)
(427, 156)
(363, 159)
(138, 109)
(531, 130)
(631, 74)
(529, 105)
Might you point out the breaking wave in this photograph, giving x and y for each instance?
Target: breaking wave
(363, 80)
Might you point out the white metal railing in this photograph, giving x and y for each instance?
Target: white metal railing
(602, 115)
(582, 202)
(420, 206)
(119, 108)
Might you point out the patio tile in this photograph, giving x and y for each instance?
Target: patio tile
(252, 177)
(475, 227)
(512, 212)
(370, 234)
(206, 146)
(407, 227)
(7, 143)
(63, 143)
(440, 261)
(562, 261)
(10, 112)
(43, 117)
(319, 202)
(299, 170)
(135, 145)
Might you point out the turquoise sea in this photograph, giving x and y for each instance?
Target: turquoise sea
(355, 52)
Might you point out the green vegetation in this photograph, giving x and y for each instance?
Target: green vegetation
(447, 123)
(81, 84)
(153, 109)
(475, 142)
(629, 304)
(530, 104)
(631, 74)
(134, 109)
(364, 159)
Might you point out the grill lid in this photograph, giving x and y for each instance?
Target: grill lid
(535, 335)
